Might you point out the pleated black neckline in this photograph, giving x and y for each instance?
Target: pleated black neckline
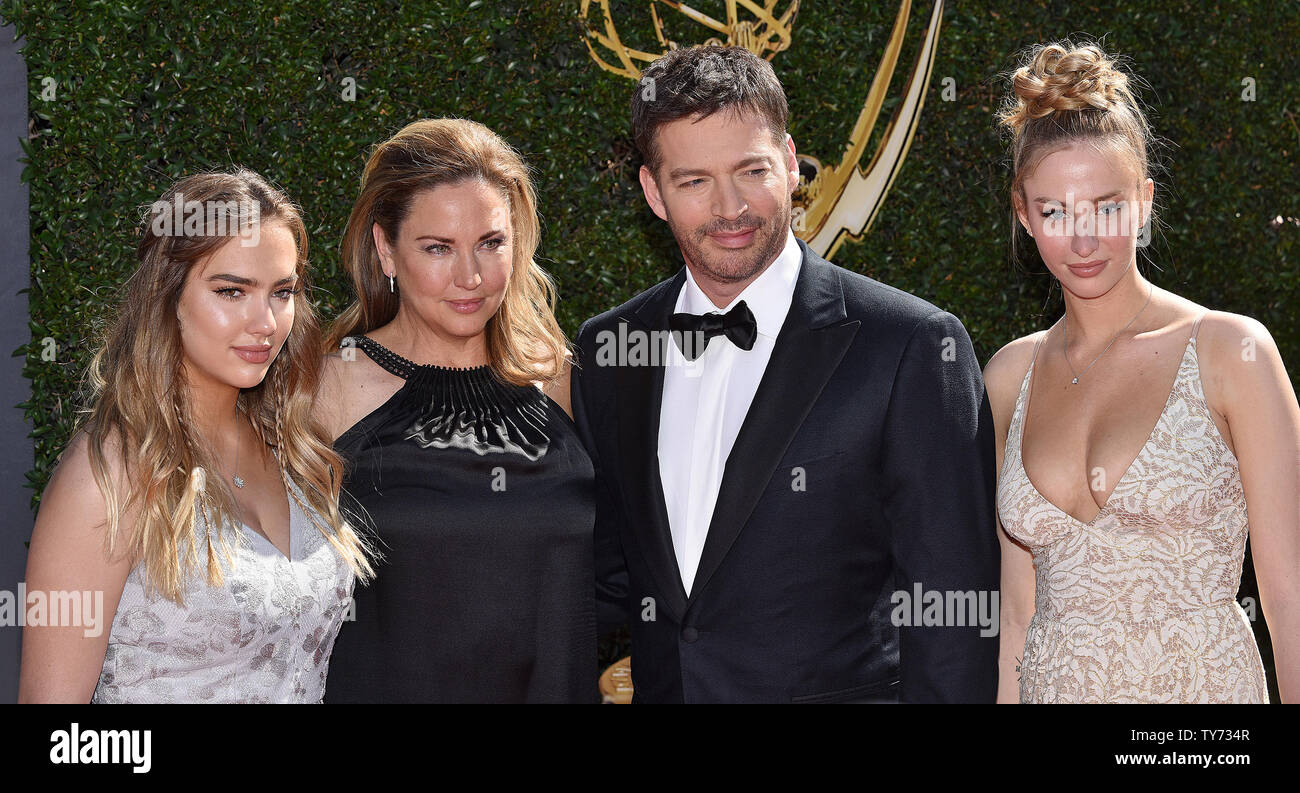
(465, 408)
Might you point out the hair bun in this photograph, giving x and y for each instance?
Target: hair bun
(1057, 78)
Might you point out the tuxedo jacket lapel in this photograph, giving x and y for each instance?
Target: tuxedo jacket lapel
(810, 346)
(640, 393)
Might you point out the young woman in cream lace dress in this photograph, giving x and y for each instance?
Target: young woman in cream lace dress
(1142, 438)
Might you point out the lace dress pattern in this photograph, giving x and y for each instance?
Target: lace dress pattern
(1139, 604)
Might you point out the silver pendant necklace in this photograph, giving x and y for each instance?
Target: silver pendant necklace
(239, 431)
(1065, 340)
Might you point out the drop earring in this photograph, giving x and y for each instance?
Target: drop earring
(390, 282)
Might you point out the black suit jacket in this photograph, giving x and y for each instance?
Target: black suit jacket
(863, 467)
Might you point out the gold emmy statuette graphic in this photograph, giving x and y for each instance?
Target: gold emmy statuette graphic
(832, 202)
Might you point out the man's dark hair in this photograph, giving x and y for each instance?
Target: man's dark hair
(700, 81)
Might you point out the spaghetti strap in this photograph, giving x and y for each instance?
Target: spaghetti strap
(1196, 326)
(1038, 344)
(1025, 386)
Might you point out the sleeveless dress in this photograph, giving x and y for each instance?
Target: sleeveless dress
(482, 500)
(263, 636)
(1139, 604)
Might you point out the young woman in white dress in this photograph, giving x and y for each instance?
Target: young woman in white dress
(197, 502)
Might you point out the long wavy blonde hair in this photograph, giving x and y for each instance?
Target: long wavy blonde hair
(140, 398)
(524, 340)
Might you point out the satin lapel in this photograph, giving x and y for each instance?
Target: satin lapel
(808, 349)
(640, 395)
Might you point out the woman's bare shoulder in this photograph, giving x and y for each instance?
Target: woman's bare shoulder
(1234, 332)
(73, 504)
(75, 471)
(1007, 368)
(332, 373)
(1238, 356)
(351, 387)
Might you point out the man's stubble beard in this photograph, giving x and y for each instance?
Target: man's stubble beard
(736, 266)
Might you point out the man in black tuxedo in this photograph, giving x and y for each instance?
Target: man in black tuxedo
(788, 454)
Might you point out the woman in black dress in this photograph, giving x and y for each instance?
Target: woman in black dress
(446, 387)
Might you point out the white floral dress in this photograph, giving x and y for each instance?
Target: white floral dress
(264, 636)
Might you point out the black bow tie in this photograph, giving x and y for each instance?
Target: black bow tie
(738, 324)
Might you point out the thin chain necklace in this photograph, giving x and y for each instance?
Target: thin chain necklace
(239, 431)
(1065, 340)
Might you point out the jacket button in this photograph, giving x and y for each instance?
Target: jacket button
(690, 634)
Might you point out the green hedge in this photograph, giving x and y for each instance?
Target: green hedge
(148, 92)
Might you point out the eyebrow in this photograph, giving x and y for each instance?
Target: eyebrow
(449, 241)
(1111, 194)
(678, 173)
(237, 279)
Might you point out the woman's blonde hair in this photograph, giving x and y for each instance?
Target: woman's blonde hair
(139, 396)
(1063, 94)
(525, 343)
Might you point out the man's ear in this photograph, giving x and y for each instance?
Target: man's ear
(1018, 202)
(651, 190)
(791, 163)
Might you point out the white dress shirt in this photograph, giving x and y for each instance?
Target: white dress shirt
(705, 402)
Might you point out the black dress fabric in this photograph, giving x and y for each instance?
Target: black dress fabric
(482, 500)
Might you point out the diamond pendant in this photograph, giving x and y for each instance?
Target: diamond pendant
(1075, 381)
(239, 482)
